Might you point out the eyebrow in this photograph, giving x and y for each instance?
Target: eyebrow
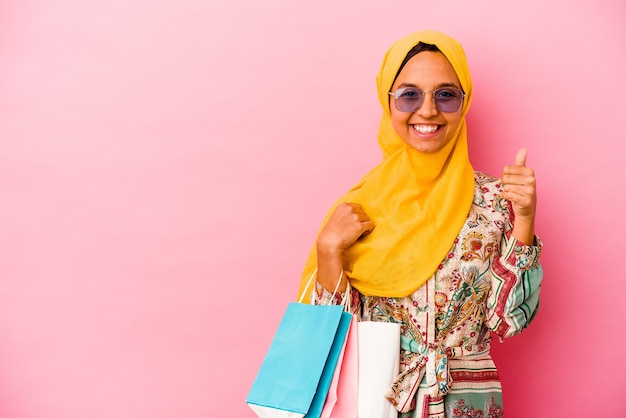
(438, 86)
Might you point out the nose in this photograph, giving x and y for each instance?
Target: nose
(428, 108)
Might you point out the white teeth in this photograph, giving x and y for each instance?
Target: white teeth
(426, 129)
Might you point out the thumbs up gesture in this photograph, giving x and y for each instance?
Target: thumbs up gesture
(519, 187)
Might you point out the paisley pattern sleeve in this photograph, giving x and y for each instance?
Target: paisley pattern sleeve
(321, 296)
(516, 283)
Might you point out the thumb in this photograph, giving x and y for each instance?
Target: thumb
(520, 158)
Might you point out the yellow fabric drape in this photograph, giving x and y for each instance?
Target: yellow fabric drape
(418, 201)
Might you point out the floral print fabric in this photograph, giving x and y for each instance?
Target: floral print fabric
(487, 283)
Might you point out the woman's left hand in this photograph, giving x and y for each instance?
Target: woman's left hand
(519, 185)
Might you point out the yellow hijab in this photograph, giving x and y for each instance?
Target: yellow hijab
(418, 201)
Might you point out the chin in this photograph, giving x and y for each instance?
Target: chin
(426, 148)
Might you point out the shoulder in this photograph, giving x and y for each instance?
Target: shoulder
(484, 184)
(487, 193)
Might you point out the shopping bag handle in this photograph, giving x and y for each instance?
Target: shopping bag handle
(306, 288)
(347, 298)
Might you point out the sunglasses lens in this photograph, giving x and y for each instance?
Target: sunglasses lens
(448, 100)
(409, 99)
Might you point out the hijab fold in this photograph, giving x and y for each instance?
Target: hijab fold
(417, 201)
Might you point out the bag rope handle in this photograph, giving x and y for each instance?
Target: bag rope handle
(306, 288)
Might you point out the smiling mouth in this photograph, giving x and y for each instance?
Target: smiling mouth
(426, 129)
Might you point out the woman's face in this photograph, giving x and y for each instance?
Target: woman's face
(426, 129)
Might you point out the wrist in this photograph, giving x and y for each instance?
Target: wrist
(524, 231)
(329, 269)
(328, 249)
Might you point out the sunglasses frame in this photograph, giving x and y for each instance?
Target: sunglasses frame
(401, 90)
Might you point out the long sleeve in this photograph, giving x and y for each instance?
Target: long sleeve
(321, 296)
(515, 287)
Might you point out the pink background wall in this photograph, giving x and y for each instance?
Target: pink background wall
(164, 166)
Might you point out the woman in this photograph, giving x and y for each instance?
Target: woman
(426, 242)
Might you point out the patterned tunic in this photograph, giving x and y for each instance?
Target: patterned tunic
(488, 282)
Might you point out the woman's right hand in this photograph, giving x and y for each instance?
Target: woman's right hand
(346, 225)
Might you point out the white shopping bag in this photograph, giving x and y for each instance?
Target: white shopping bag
(379, 363)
